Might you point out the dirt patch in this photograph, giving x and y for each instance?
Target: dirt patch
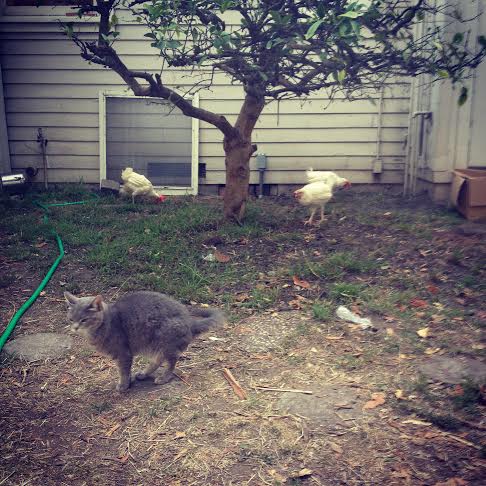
(39, 346)
(330, 405)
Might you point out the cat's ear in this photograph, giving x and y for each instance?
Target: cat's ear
(97, 304)
(70, 298)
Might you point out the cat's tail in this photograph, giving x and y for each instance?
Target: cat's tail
(203, 319)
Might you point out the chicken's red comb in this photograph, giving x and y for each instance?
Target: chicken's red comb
(161, 198)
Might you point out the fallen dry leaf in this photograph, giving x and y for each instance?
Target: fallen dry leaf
(416, 422)
(336, 447)
(432, 289)
(334, 338)
(424, 333)
(400, 394)
(418, 303)
(453, 482)
(221, 257)
(376, 400)
(300, 283)
(123, 458)
(405, 356)
(432, 350)
(304, 472)
(390, 331)
(457, 391)
(179, 435)
(41, 245)
(277, 476)
(242, 297)
(295, 304)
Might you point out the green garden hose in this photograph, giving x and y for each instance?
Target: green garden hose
(16, 317)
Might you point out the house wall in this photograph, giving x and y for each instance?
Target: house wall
(48, 85)
(455, 135)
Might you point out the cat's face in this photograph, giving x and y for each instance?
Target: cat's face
(84, 313)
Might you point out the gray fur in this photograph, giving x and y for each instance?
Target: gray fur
(140, 323)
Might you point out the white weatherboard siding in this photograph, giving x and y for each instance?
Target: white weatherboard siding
(48, 85)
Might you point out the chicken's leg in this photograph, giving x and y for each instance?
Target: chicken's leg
(311, 219)
(323, 218)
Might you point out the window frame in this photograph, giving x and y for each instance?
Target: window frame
(165, 190)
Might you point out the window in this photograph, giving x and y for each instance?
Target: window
(151, 136)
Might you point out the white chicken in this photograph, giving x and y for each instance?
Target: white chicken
(328, 177)
(319, 191)
(137, 185)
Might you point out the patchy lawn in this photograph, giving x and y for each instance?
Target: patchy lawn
(401, 405)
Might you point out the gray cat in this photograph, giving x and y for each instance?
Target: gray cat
(139, 323)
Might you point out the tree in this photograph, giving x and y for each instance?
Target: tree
(283, 49)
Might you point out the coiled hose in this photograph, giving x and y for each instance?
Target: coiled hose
(16, 317)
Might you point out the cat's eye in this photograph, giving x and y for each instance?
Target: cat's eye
(82, 321)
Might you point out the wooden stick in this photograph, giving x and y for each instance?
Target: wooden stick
(266, 388)
(234, 384)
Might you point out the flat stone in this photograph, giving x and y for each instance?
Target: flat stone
(39, 346)
(329, 405)
(472, 229)
(454, 370)
(264, 332)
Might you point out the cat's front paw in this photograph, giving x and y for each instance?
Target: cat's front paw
(122, 387)
(141, 376)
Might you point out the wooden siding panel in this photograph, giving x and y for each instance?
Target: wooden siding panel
(47, 84)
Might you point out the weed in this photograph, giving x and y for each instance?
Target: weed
(100, 407)
(346, 292)
(262, 298)
(322, 311)
(469, 398)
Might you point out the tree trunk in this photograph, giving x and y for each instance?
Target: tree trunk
(238, 150)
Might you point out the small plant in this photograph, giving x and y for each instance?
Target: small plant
(468, 396)
(322, 311)
(346, 292)
(100, 407)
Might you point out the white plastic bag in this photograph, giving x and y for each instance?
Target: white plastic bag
(346, 315)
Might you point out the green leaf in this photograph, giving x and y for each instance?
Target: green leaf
(438, 45)
(356, 27)
(351, 14)
(269, 44)
(313, 28)
(68, 29)
(463, 96)
(114, 20)
(458, 38)
(341, 75)
(443, 73)
(343, 29)
(150, 35)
